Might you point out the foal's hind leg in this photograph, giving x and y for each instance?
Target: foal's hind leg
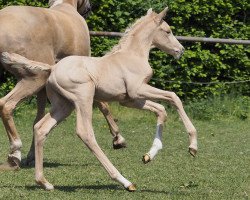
(41, 104)
(118, 140)
(161, 114)
(23, 89)
(61, 108)
(83, 104)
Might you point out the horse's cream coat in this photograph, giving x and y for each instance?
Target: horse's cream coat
(122, 76)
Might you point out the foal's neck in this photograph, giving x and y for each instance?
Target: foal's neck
(139, 46)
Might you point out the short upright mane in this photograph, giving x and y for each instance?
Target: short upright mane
(126, 35)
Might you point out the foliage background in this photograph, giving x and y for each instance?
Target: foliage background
(202, 62)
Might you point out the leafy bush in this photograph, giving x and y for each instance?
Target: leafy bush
(202, 62)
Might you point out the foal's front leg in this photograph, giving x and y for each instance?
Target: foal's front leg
(161, 114)
(148, 92)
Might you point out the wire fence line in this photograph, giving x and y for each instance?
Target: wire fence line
(204, 83)
(180, 38)
(187, 39)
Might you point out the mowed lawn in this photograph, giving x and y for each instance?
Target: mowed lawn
(220, 171)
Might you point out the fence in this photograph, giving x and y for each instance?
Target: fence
(180, 38)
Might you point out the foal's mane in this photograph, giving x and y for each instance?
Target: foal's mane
(127, 34)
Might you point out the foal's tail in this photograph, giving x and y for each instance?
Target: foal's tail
(16, 62)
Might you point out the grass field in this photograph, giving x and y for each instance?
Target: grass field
(220, 171)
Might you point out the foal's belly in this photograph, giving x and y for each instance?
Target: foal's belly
(110, 95)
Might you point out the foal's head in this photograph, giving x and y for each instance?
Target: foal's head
(163, 37)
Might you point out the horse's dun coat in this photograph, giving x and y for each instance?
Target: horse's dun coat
(45, 35)
(122, 75)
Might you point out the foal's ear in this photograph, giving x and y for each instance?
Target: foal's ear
(161, 15)
(150, 10)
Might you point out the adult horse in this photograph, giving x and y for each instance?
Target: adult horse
(45, 35)
(128, 68)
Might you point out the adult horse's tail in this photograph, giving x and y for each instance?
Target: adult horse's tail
(23, 65)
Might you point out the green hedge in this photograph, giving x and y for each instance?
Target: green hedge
(202, 62)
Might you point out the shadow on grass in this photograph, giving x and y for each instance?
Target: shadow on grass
(52, 165)
(112, 187)
(169, 193)
(79, 187)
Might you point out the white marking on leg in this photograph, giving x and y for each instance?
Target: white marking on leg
(157, 143)
(123, 181)
(15, 149)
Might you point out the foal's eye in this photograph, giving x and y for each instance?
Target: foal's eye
(168, 32)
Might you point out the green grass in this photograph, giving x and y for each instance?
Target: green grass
(220, 171)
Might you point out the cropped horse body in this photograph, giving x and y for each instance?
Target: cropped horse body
(122, 75)
(45, 35)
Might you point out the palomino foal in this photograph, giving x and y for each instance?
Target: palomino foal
(44, 35)
(122, 75)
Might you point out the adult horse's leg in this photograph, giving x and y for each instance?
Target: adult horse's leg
(41, 104)
(23, 89)
(148, 92)
(161, 114)
(118, 140)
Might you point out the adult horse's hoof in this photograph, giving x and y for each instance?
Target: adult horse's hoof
(131, 188)
(192, 151)
(146, 158)
(14, 161)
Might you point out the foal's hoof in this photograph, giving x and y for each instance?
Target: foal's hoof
(192, 151)
(131, 188)
(146, 158)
